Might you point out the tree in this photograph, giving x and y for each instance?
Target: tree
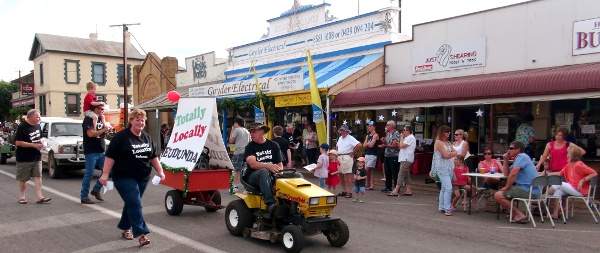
(6, 90)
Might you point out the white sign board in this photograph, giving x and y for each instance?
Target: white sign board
(586, 36)
(448, 56)
(196, 127)
(280, 83)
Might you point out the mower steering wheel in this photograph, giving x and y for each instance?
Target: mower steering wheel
(284, 173)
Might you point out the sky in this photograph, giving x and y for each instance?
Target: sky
(183, 28)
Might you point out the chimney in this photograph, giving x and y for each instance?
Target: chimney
(93, 36)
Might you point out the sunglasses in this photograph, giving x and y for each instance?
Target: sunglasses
(487, 153)
(446, 131)
(511, 148)
(456, 134)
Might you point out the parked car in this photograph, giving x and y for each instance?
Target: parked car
(64, 139)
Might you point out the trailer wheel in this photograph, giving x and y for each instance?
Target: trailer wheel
(338, 234)
(216, 200)
(238, 217)
(173, 202)
(292, 238)
(3, 158)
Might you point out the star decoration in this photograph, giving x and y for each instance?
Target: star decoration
(449, 119)
(345, 122)
(358, 121)
(381, 117)
(417, 118)
(394, 112)
(479, 113)
(368, 120)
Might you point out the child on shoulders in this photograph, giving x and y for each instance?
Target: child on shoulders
(322, 164)
(90, 101)
(333, 170)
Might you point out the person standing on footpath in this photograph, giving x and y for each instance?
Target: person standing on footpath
(371, 151)
(29, 164)
(93, 150)
(390, 161)
(526, 135)
(240, 138)
(288, 136)
(347, 145)
(284, 146)
(130, 158)
(442, 166)
(406, 157)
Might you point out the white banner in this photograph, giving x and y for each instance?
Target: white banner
(196, 130)
(448, 56)
(280, 83)
(586, 36)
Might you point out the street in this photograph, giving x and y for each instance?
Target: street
(381, 224)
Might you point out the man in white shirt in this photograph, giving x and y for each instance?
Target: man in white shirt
(346, 146)
(406, 157)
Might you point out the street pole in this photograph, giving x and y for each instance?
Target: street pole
(125, 80)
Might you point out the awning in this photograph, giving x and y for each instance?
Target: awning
(327, 73)
(22, 101)
(564, 82)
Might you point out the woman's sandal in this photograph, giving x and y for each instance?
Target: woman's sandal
(143, 240)
(127, 235)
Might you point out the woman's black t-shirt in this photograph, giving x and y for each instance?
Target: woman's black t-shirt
(30, 134)
(132, 155)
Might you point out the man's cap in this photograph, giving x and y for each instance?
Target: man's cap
(258, 126)
(344, 128)
(325, 146)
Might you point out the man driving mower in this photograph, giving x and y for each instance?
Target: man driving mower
(264, 159)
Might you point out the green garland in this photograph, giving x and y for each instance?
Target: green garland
(231, 182)
(180, 169)
(248, 105)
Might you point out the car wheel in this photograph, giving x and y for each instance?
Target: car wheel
(238, 217)
(292, 238)
(3, 158)
(338, 234)
(216, 200)
(54, 170)
(173, 202)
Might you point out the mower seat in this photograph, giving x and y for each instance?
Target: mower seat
(249, 188)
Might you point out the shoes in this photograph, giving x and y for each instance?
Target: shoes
(97, 195)
(127, 235)
(22, 201)
(271, 209)
(386, 190)
(342, 194)
(43, 201)
(354, 200)
(362, 201)
(391, 194)
(87, 201)
(348, 195)
(406, 194)
(144, 240)
(383, 179)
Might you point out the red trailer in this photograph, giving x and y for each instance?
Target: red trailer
(202, 189)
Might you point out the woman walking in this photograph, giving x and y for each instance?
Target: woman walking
(129, 159)
(312, 144)
(443, 167)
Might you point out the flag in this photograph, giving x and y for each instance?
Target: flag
(259, 115)
(262, 107)
(258, 92)
(316, 101)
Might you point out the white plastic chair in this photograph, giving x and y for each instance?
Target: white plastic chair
(555, 180)
(463, 197)
(540, 182)
(589, 200)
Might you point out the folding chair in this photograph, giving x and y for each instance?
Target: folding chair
(589, 200)
(463, 197)
(540, 182)
(555, 180)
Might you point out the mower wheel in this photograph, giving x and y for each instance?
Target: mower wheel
(238, 217)
(292, 239)
(338, 234)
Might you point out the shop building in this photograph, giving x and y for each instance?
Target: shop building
(484, 71)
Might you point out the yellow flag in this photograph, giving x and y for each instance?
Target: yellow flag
(262, 107)
(318, 115)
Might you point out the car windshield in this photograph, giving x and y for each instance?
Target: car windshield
(66, 129)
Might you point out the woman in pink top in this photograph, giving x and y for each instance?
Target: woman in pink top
(577, 176)
(558, 151)
(487, 164)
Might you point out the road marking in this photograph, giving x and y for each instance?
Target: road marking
(551, 229)
(155, 229)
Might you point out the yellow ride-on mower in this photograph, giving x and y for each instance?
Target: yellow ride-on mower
(303, 209)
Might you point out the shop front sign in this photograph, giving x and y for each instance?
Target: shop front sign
(293, 100)
(281, 83)
(586, 36)
(449, 56)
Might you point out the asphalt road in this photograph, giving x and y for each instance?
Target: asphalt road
(382, 224)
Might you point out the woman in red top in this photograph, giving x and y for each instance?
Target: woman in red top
(558, 151)
(577, 176)
(462, 182)
(487, 164)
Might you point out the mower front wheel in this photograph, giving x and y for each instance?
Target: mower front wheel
(292, 239)
(338, 234)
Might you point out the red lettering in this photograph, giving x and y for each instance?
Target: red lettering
(581, 40)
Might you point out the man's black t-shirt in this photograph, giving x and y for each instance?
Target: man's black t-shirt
(267, 152)
(132, 155)
(297, 132)
(288, 137)
(31, 134)
(283, 146)
(93, 144)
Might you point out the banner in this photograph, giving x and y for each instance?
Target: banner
(317, 113)
(259, 115)
(27, 89)
(196, 131)
(316, 100)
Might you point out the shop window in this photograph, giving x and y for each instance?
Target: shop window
(582, 118)
(121, 100)
(41, 73)
(43, 105)
(73, 105)
(99, 73)
(72, 72)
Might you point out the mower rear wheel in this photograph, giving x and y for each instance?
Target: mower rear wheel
(338, 234)
(292, 239)
(238, 217)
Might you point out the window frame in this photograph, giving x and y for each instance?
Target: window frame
(77, 103)
(119, 97)
(119, 66)
(78, 75)
(103, 64)
(41, 73)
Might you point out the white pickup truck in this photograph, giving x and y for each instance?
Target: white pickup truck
(64, 139)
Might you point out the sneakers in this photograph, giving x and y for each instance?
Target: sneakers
(87, 201)
(97, 195)
(354, 200)
(362, 201)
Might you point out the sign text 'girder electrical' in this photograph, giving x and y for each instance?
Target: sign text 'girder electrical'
(280, 83)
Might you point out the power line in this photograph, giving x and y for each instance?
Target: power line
(125, 79)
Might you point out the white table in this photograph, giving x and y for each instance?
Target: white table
(482, 175)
